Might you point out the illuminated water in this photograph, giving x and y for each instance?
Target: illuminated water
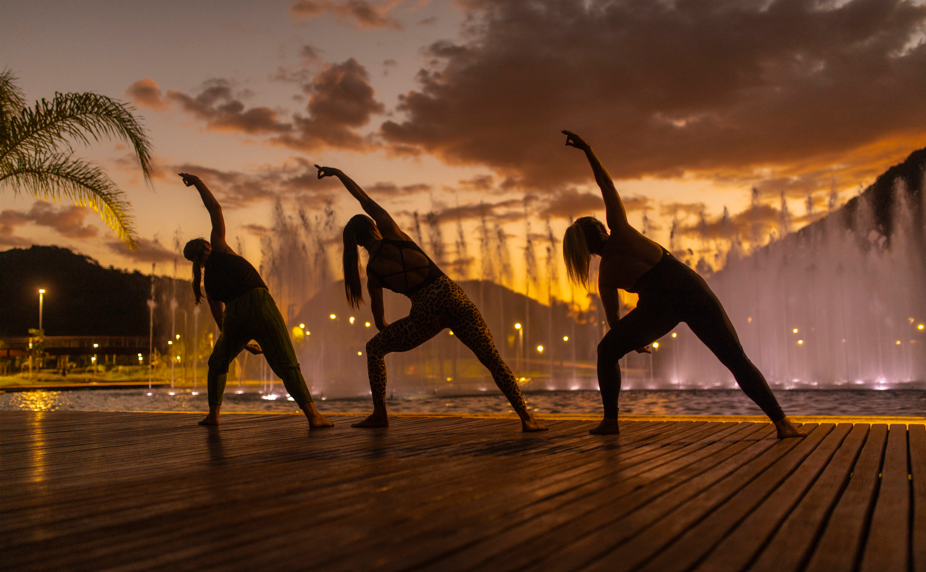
(693, 402)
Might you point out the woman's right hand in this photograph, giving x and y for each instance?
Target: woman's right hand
(326, 171)
(573, 140)
(189, 180)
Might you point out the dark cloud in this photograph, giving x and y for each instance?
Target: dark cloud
(309, 53)
(393, 189)
(66, 221)
(359, 13)
(340, 101)
(223, 110)
(664, 88)
(150, 251)
(503, 211)
(146, 93)
(428, 21)
(234, 189)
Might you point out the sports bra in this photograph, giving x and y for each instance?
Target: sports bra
(433, 271)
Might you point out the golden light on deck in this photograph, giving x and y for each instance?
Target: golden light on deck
(332, 316)
(800, 342)
(540, 349)
(794, 330)
(565, 338)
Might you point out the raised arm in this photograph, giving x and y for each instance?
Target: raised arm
(614, 208)
(217, 237)
(384, 222)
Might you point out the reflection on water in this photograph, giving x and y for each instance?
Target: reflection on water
(640, 402)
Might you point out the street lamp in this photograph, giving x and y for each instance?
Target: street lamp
(41, 297)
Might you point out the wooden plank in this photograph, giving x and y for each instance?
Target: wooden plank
(843, 537)
(130, 491)
(790, 547)
(917, 439)
(887, 546)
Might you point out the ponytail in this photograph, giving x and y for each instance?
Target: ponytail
(193, 252)
(584, 237)
(358, 230)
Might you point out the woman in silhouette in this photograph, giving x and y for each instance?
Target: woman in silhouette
(669, 291)
(244, 311)
(397, 263)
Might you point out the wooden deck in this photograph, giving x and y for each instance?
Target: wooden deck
(143, 491)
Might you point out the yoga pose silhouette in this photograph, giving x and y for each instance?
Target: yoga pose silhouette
(669, 291)
(397, 263)
(244, 311)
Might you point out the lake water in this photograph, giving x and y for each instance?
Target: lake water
(641, 402)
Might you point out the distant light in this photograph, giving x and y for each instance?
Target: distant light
(149, 393)
(141, 358)
(96, 345)
(93, 358)
(898, 342)
(270, 397)
(449, 379)
(41, 290)
(367, 324)
(301, 326)
(178, 336)
(800, 342)
(171, 393)
(139, 354)
(540, 349)
(178, 358)
(169, 342)
(332, 316)
(674, 335)
(655, 345)
(197, 393)
(794, 330)
(517, 326)
(920, 327)
(749, 320)
(351, 319)
(359, 353)
(451, 332)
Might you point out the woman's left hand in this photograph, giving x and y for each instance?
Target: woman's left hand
(254, 348)
(326, 171)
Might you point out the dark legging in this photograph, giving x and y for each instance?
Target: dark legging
(440, 305)
(670, 293)
(254, 316)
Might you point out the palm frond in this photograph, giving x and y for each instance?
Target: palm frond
(80, 117)
(12, 100)
(51, 176)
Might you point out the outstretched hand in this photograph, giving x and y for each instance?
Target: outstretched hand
(326, 171)
(573, 140)
(189, 180)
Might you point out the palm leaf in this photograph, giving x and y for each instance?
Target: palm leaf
(12, 101)
(51, 176)
(79, 117)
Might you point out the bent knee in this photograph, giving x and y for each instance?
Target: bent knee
(375, 346)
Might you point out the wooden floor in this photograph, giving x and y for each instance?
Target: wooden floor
(143, 491)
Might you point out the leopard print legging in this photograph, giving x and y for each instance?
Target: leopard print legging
(441, 305)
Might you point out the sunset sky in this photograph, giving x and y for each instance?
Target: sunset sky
(438, 106)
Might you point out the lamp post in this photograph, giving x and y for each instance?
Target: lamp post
(41, 300)
(519, 363)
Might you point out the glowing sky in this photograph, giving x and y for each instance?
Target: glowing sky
(438, 106)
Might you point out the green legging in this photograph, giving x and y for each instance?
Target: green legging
(254, 316)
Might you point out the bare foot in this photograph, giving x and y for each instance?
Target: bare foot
(210, 420)
(606, 427)
(787, 430)
(375, 420)
(530, 425)
(316, 419)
